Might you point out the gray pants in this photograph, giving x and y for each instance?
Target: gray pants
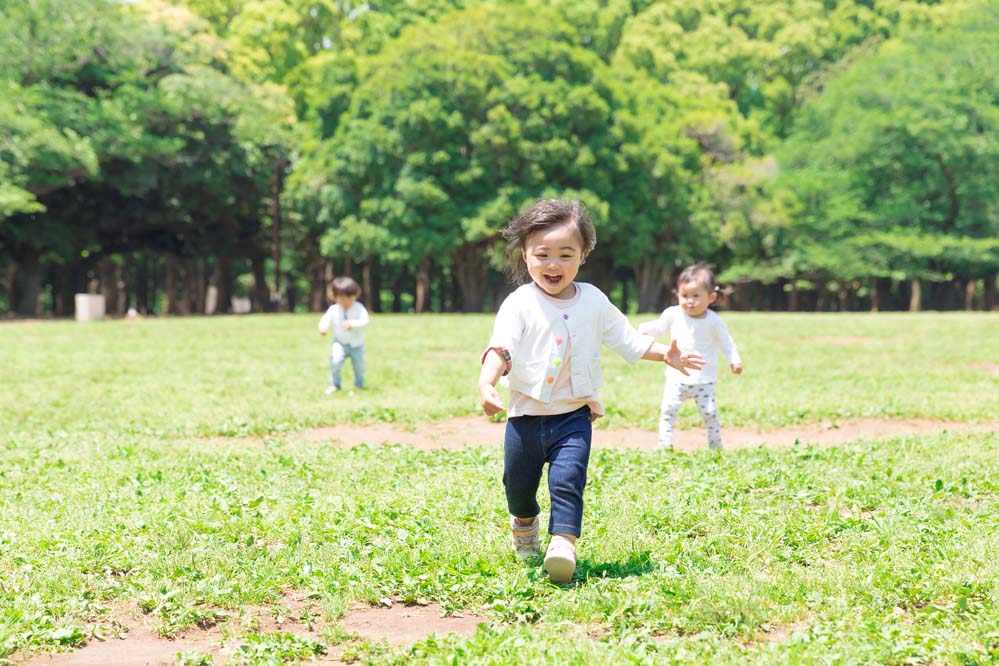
(704, 396)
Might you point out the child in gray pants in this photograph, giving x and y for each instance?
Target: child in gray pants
(695, 329)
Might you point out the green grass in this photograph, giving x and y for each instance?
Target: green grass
(239, 375)
(876, 552)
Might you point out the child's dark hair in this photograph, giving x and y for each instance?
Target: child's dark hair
(345, 286)
(699, 274)
(544, 214)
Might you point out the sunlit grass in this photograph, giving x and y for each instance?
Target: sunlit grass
(873, 552)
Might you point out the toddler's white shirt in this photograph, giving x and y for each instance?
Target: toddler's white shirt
(357, 315)
(706, 335)
(533, 330)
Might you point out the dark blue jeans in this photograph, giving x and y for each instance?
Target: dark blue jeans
(562, 441)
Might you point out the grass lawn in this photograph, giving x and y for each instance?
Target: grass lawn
(873, 552)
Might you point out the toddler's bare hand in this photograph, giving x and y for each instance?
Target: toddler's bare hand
(491, 402)
(346, 325)
(736, 368)
(322, 332)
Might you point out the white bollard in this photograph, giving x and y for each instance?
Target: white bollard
(211, 300)
(89, 307)
(240, 305)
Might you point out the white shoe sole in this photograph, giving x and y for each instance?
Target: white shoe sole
(559, 568)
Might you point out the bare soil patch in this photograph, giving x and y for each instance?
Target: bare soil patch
(479, 431)
(130, 639)
(404, 625)
(780, 633)
(992, 368)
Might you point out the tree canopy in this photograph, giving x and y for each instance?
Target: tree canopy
(153, 148)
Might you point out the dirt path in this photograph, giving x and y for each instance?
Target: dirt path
(128, 639)
(478, 431)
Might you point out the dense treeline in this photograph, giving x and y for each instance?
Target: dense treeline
(824, 155)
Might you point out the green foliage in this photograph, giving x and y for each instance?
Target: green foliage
(779, 140)
(892, 164)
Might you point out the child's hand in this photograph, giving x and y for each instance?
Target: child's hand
(346, 324)
(736, 368)
(682, 360)
(491, 402)
(322, 332)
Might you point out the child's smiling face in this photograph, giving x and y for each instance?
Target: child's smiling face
(553, 257)
(695, 298)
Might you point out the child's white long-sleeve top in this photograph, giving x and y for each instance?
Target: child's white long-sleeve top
(357, 315)
(705, 335)
(534, 332)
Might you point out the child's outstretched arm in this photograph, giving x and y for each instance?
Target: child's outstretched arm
(728, 347)
(673, 357)
(493, 367)
(324, 322)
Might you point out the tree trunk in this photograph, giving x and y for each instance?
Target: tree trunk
(990, 292)
(261, 292)
(63, 289)
(108, 284)
(375, 297)
(874, 295)
(792, 304)
(916, 296)
(28, 283)
(650, 282)
(397, 291)
(329, 272)
(823, 294)
(222, 281)
(8, 280)
(422, 295)
(366, 288)
(470, 269)
(601, 272)
(315, 273)
(185, 288)
(200, 285)
(170, 285)
(969, 294)
(276, 220)
(141, 282)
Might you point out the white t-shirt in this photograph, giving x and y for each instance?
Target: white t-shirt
(705, 335)
(357, 315)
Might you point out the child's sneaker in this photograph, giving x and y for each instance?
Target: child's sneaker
(331, 389)
(525, 538)
(560, 560)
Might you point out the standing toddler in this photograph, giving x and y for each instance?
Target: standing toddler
(694, 328)
(349, 319)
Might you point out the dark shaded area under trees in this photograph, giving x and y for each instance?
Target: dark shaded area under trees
(840, 160)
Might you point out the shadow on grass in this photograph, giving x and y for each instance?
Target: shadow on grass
(636, 565)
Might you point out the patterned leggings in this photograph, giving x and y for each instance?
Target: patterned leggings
(673, 396)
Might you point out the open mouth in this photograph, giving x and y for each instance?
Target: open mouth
(552, 280)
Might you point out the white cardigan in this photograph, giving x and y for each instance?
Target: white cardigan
(532, 329)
